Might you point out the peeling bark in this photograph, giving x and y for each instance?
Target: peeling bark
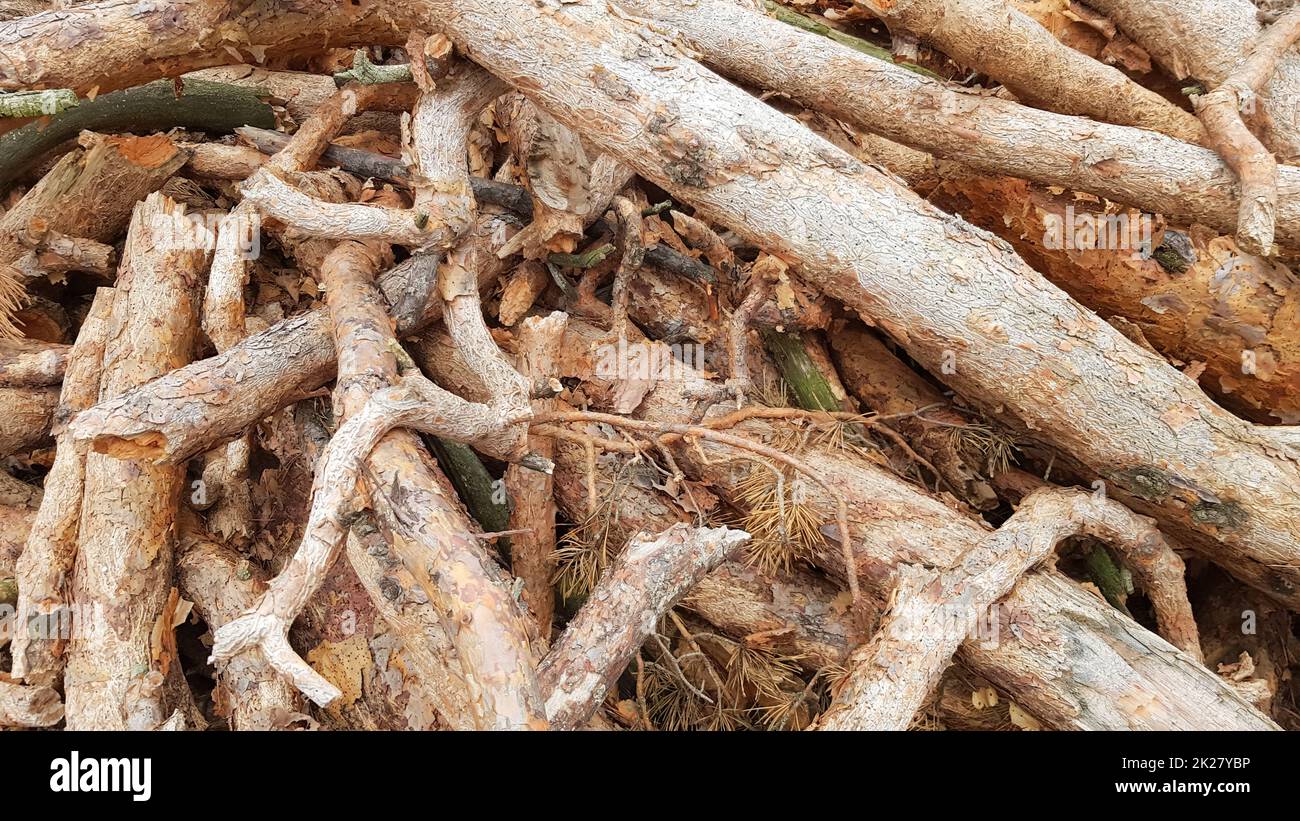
(123, 569)
(45, 568)
(1207, 40)
(944, 289)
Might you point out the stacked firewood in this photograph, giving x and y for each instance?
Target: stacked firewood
(649, 365)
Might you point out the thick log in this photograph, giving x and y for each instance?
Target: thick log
(1207, 40)
(936, 284)
(128, 509)
(1140, 168)
(45, 569)
(1240, 325)
(1121, 675)
(115, 44)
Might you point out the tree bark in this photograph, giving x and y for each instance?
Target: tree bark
(45, 568)
(28, 706)
(123, 569)
(532, 492)
(1021, 344)
(650, 576)
(88, 194)
(1207, 40)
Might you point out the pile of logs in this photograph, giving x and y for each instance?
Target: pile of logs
(649, 364)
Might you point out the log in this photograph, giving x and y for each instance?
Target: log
(45, 569)
(1207, 40)
(1011, 47)
(1140, 168)
(225, 471)
(1239, 326)
(154, 107)
(650, 576)
(128, 510)
(1022, 346)
(118, 44)
(531, 492)
(25, 417)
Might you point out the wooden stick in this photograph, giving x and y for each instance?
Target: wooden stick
(1254, 165)
(935, 611)
(650, 576)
